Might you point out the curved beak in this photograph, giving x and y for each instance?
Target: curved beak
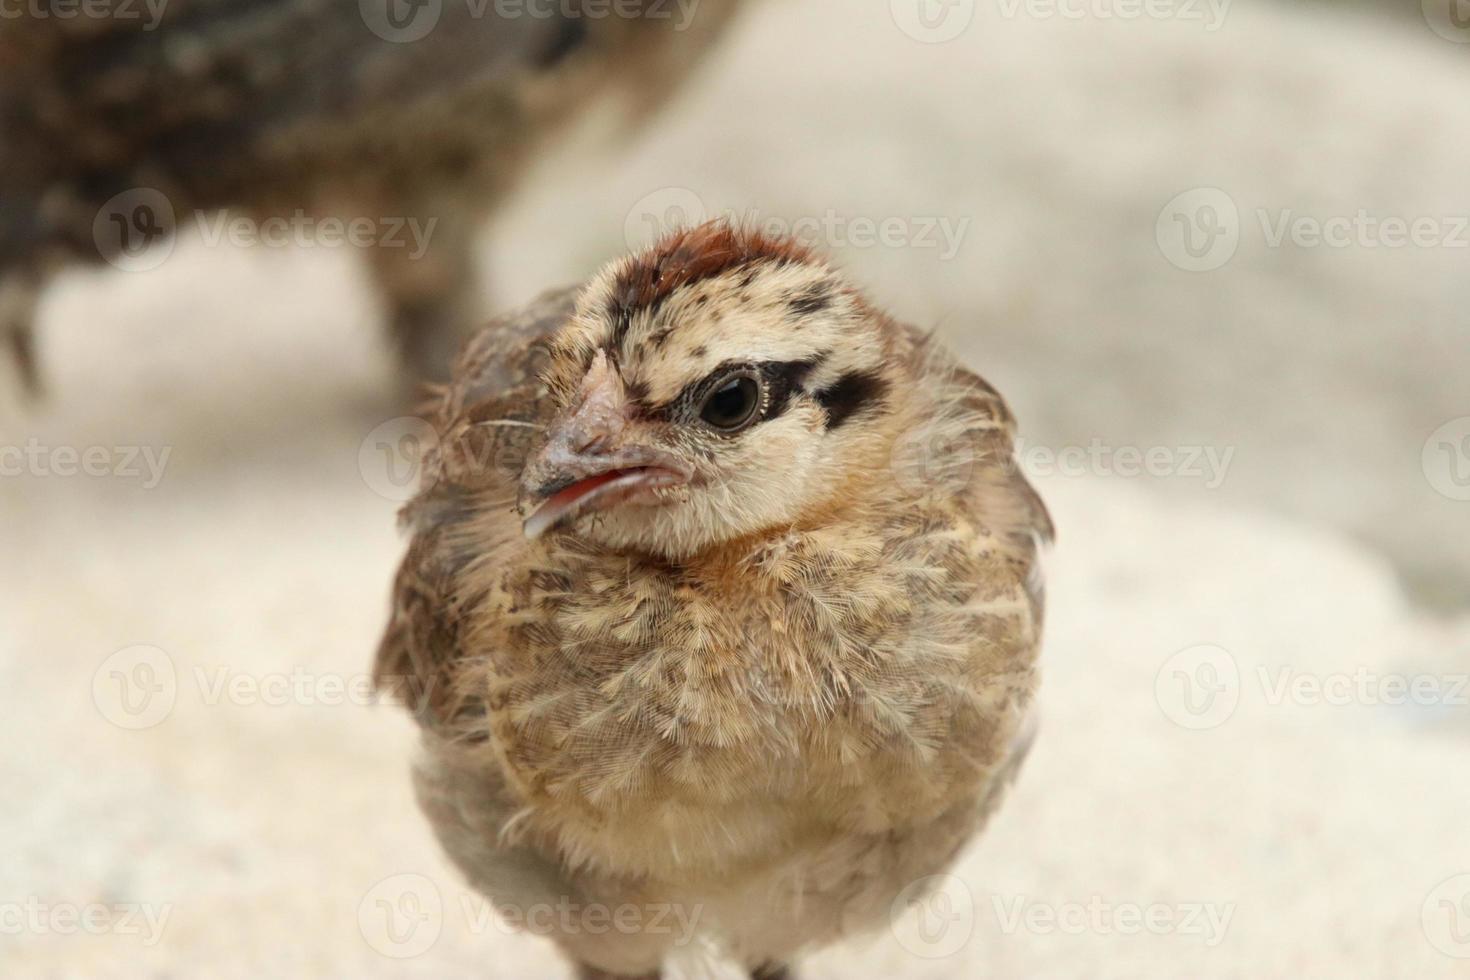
(590, 463)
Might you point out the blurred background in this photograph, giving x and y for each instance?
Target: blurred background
(1215, 252)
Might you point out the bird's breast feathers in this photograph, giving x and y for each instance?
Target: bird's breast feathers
(872, 676)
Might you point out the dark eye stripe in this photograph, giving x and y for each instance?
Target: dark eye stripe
(783, 378)
(780, 378)
(850, 394)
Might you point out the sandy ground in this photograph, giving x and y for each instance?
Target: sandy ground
(1253, 755)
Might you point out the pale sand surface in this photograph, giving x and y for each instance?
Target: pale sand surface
(1288, 839)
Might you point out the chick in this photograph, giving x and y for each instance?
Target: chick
(723, 596)
(415, 114)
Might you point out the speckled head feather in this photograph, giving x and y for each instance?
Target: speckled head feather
(683, 258)
(657, 335)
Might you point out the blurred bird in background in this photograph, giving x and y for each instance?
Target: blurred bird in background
(111, 127)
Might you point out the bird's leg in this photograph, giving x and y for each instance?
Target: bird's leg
(592, 973)
(427, 274)
(18, 293)
(772, 971)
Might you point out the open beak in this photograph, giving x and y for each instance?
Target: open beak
(589, 464)
(599, 482)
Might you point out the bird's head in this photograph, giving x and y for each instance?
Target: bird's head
(719, 385)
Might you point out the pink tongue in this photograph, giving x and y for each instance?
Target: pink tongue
(581, 488)
(563, 501)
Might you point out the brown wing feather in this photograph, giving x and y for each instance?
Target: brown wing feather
(1005, 498)
(495, 381)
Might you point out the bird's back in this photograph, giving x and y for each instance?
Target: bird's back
(270, 103)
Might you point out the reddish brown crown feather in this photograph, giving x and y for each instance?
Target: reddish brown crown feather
(689, 255)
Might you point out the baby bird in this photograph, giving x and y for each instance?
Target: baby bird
(723, 597)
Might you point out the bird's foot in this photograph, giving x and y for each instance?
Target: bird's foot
(592, 973)
(17, 309)
(772, 971)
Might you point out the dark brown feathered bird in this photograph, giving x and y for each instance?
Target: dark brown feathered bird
(724, 596)
(394, 109)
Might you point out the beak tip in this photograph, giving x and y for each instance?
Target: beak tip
(540, 521)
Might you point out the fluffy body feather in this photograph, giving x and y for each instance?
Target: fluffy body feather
(778, 695)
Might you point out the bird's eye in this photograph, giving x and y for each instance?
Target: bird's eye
(734, 404)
